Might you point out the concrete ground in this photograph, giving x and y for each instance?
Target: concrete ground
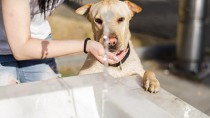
(196, 93)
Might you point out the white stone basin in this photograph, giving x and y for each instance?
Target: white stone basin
(81, 97)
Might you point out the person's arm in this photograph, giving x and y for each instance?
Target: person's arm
(16, 16)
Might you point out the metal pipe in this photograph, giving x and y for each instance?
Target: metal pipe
(190, 34)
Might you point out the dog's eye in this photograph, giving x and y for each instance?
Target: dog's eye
(99, 21)
(120, 19)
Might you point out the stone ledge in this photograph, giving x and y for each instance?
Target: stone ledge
(81, 97)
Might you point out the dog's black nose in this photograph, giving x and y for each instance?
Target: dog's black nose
(112, 40)
(112, 46)
(113, 43)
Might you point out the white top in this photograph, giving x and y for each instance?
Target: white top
(40, 27)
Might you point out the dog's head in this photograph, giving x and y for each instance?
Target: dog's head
(111, 18)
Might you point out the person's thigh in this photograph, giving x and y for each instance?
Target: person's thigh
(8, 73)
(36, 70)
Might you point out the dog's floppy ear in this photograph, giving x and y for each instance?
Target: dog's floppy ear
(133, 7)
(84, 9)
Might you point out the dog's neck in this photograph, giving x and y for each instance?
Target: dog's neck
(123, 60)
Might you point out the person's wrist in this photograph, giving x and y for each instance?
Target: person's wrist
(86, 48)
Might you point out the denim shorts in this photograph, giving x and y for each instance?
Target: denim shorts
(13, 71)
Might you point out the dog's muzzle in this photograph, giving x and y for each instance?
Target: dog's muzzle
(113, 41)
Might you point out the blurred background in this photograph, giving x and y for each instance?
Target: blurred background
(154, 35)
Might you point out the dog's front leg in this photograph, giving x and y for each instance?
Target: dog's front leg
(150, 82)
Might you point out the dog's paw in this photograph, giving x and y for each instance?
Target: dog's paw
(150, 82)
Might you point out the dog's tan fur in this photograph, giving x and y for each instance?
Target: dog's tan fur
(118, 31)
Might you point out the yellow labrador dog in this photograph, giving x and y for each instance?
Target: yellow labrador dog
(115, 16)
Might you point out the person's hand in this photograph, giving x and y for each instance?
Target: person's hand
(98, 51)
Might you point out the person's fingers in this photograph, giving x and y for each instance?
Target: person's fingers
(110, 61)
(102, 60)
(112, 58)
(98, 51)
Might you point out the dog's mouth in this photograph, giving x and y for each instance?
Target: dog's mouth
(119, 52)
